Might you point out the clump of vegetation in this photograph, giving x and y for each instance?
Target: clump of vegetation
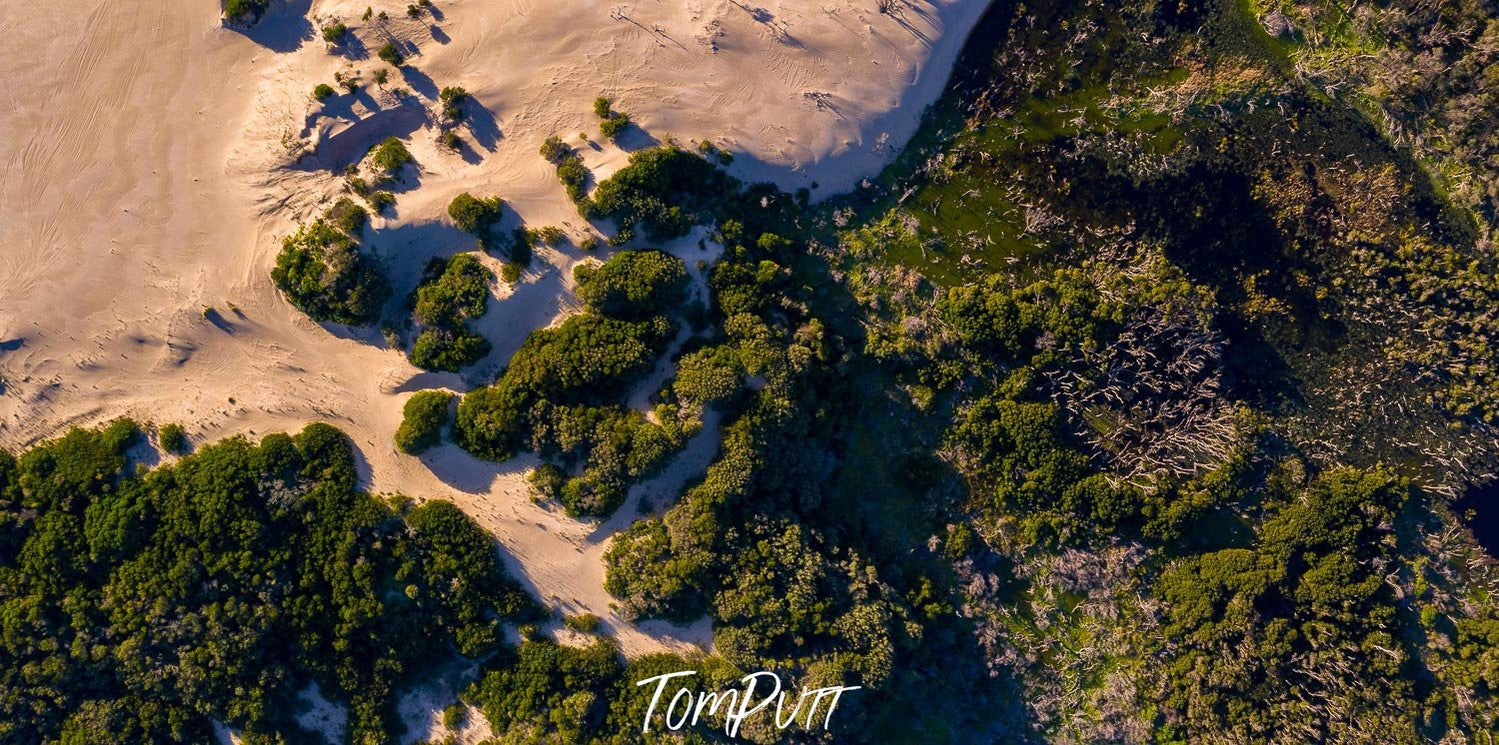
(570, 168)
(424, 417)
(554, 149)
(322, 92)
(389, 157)
(476, 215)
(380, 200)
(316, 581)
(348, 216)
(391, 54)
(665, 190)
(245, 11)
(611, 123)
(452, 99)
(558, 395)
(172, 437)
(349, 82)
(323, 273)
(633, 284)
(574, 178)
(333, 33)
(453, 291)
(380, 76)
(585, 623)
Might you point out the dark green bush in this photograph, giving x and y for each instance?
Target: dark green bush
(452, 99)
(324, 275)
(475, 215)
(172, 437)
(574, 177)
(633, 284)
(348, 216)
(380, 201)
(665, 189)
(452, 292)
(389, 157)
(448, 350)
(245, 11)
(553, 149)
(424, 417)
(322, 91)
(615, 125)
(586, 623)
(391, 54)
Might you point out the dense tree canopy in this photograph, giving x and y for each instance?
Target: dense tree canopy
(144, 606)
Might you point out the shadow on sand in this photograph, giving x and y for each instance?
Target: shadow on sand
(283, 28)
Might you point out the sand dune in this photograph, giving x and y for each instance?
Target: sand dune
(153, 159)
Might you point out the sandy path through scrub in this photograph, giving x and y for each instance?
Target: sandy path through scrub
(146, 175)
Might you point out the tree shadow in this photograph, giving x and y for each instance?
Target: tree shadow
(482, 124)
(419, 82)
(213, 316)
(635, 138)
(462, 471)
(428, 380)
(344, 136)
(350, 46)
(283, 28)
(469, 154)
(440, 36)
(404, 250)
(363, 334)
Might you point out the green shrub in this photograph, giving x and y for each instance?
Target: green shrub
(381, 75)
(453, 716)
(615, 125)
(633, 284)
(245, 11)
(586, 623)
(546, 481)
(348, 216)
(602, 107)
(322, 91)
(391, 54)
(665, 189)
(452, 291)
(381, 201)
(424, 417)
(709, 376)
(323, 274)
(449, 140)
(448, 350)
(389, 157)
(574, 177)
(452, 99)
(510, 272)
(334, 32)
(475, 215)
(172, 437)
(554, 150)
(550, 692)
(247, 566)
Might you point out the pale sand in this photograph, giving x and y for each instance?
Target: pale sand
(146, 175)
